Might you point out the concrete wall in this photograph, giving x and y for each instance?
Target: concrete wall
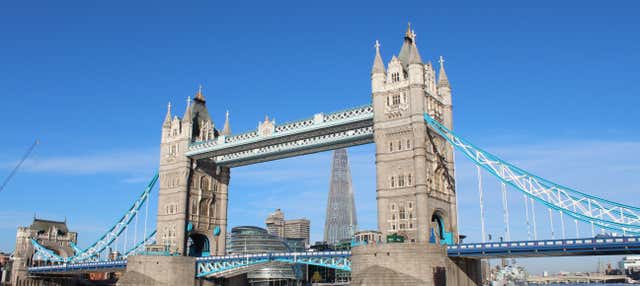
(410, 264)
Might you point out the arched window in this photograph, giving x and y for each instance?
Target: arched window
(408, 144)
(212, 207)
(204, 183)
(393, 182)
(390, 146)
(401, 181)
(409, 183)
(194, 207)
(204, 207)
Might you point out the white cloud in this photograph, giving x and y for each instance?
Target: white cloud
(125, 161)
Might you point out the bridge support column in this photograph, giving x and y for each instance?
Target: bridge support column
(411, 264)
(159, 270)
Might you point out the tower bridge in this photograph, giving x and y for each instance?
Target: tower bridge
(410, 121)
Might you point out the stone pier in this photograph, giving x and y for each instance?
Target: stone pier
(411, 264)
(159, 271)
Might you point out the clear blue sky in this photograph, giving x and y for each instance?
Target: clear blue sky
(552, 88)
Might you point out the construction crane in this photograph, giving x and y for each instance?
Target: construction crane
(24, 158)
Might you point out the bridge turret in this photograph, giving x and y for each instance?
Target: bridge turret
(227, 129)
(166, 124)
(444, 91)
(377, 72)
(416, 68)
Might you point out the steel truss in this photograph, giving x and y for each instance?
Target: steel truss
(320, 133)
(584, 207)
(216, 266)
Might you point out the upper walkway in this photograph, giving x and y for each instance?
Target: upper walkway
(269, 142)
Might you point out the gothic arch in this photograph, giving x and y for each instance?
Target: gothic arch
(198, 245)
(438, 225)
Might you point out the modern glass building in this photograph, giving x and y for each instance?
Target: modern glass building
(252, 239)
(341, 222)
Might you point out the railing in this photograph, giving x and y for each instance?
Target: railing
(582, 245)
(79, 267)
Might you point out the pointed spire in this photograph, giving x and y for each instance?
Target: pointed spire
(226, 130)
(167, 118)
(378, 65)
(442, 80)
(414, 54)
(199, 95)
(409, 33)
(408, 46)
(187, 112)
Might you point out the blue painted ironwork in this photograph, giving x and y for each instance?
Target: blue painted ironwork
(107, 239)
(556, 247)
(215, 265)
(587, 208)
(139, 248)
(319, 133)
(79, 267)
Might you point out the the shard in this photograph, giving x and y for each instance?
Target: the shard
(341, 222)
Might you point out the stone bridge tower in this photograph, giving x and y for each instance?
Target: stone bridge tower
(415, 178)
(192, 204)
(53, 235)
(414, 166)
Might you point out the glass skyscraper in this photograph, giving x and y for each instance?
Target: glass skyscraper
(341, 222)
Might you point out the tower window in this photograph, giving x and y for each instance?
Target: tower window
(388, 100)
(204, 183)
(390, 146)
(395, 77)
(393, 182)
(409, 183)
(408, 144)
(396, 99)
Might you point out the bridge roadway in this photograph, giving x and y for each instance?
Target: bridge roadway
(223, 266)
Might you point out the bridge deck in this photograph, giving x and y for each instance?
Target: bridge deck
(556, 247)
(214, 266)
